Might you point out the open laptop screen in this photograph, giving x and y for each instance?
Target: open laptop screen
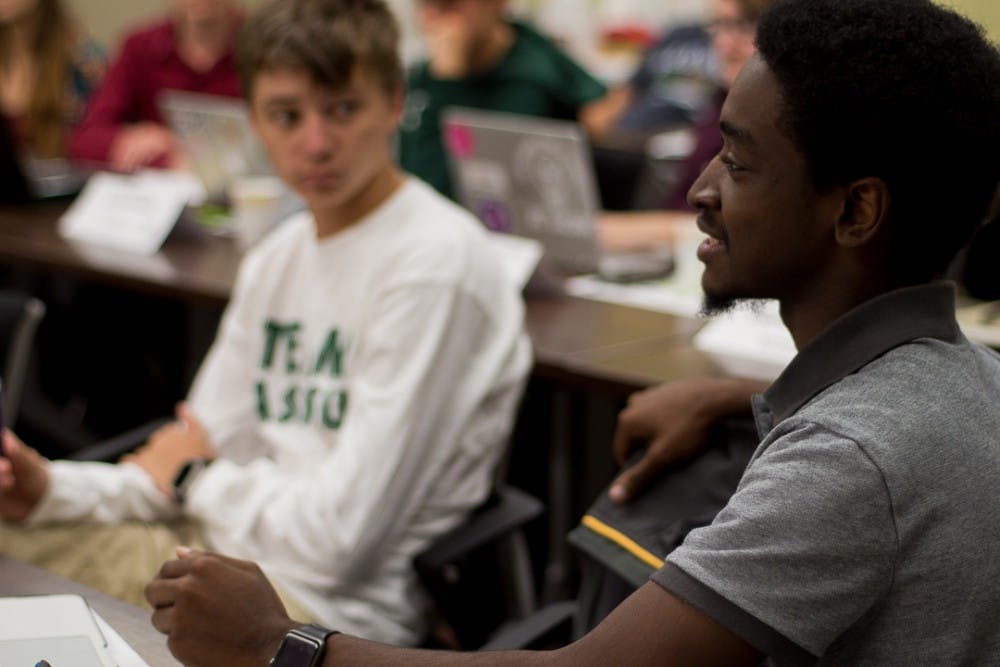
(527, 176)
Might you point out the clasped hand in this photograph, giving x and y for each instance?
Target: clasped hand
(24, 478)
(170, 447)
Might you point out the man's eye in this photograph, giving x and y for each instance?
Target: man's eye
(284, 117)
(343, 109)
(730, 164)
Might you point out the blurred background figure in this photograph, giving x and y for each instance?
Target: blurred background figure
(48, 70)
(479, 58)
(675, 81)
(732, 29)
(190, 50)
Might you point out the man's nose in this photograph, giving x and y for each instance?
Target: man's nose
(317, 139)
(704, 192)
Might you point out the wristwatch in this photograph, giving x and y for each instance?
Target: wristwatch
(185, 477)
(302, 647)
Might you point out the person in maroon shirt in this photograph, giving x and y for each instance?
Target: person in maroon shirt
(191, 50)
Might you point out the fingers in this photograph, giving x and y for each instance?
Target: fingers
(17, 453)
(623, 442)
(628, 431)
(161, 593)
(163, 615)
(188, 559)
(634, 481)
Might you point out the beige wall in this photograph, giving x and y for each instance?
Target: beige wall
(106, 18)
(984, 12)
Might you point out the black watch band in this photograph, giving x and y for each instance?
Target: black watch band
(302, 647)
(185, 478)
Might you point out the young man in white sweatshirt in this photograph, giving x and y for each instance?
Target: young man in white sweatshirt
(363, 381)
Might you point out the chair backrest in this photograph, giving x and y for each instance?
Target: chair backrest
(19, 318)
(479, 575)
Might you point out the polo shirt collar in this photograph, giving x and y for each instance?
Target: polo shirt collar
(856, 338)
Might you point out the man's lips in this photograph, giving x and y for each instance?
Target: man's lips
(319, 178)
(716, 241)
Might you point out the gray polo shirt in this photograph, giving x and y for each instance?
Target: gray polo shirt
(866, 528)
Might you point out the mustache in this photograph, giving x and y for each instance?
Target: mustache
(709, 224)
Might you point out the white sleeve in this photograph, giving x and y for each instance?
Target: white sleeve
(425, 359)
(100, 492)
(106, 493)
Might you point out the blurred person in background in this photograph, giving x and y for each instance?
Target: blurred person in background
(189, 50)
(732, 27)
(48, 70)
(479, 58)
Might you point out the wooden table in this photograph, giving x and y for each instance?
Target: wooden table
(132, 623)
(589, 345)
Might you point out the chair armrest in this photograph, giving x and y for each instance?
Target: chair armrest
(112, 449)
(535, 630)
(506, 509)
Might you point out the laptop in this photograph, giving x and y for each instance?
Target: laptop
(534, 177)
(216, 136)
(24, 178)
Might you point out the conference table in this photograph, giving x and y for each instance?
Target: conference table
(583, 348)
(585, 344)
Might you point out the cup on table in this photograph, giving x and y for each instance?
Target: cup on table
(255, 205)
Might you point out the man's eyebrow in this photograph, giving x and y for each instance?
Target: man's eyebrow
(280, 100)
(730, 131)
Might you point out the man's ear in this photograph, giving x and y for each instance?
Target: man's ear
(865, 212)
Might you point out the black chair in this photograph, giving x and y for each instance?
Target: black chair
(20, 315)
(481, 580)
(112, 449)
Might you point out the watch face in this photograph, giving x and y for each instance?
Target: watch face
(296, 652)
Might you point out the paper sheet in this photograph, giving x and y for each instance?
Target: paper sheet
(134, 213)
(518, 255)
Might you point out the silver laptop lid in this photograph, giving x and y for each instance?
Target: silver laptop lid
(216, 136)
(528, 176)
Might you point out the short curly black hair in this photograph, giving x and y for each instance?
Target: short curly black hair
(902, 90)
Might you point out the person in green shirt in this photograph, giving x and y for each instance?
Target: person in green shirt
(478, 58)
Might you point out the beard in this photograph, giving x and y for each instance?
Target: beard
(719, 304)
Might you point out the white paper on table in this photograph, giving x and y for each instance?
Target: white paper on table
(748, 343)
(664, 296)
(119, 650)
(518, 255)
(132, 213)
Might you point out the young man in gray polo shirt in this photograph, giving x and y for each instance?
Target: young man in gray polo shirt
(862, 147)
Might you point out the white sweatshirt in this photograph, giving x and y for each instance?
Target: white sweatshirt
(359, 393)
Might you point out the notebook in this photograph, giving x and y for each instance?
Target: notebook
(59, 629)
(216, 137)
(534, 177)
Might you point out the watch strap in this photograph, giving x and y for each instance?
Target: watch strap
(185, 478)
